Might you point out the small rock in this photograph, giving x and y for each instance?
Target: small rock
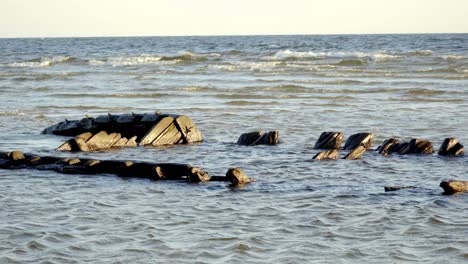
(387, 146)
(331, 154)
(16, 155)
(364, 139)
(329, 140)
(356, 153)
(259, 138)
(451, 147)
(237, 176)
(396, 188)
(453, 186)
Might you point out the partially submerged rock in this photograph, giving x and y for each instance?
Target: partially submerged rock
(236, 176)
(396, 188)
(359, 139)
(331, 154)
(452, 186)
(122, 168)
(388, 146)
(414, 146)
(259, 138)
(356, 153)
(451, 147)
(329, 140)
(127, 130)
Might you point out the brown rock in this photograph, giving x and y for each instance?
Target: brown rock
(417, 146)
(451, 187)
(356, 153)
(16, 155)
(364, 139)
(237, 176)
(451, 147)
(331, 154)
(387, 146)
(198, 175)
(259, 138)
(329, 140)
(156, 131)
(187, 128)
(102, 140)
(169, 136)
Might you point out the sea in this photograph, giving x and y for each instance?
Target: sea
(299, 210)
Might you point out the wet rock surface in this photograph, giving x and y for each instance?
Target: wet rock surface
(331, 154)
(122, 168)
(128, 130)
(451, 147)
(259, 138)
(359, 139)
(329, 140)
(454, 186)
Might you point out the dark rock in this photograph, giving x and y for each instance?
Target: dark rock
(259, 138)
(452, 186)
(417, 146)
(387, 146)
(329, 140)
(364, 139)
(451, 147)
(236, 176)
(326, 155)
(396, 188)
(356, 153)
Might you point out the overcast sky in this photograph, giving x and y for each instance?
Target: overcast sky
(68, 18)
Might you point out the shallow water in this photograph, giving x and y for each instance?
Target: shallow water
(299, 211)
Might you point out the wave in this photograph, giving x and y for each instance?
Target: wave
(42, 62)
(352, 62)
(310, 55)
(147, 59)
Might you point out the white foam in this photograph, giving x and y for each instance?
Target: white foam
(42, 62)
(289, 54)
(452, 57)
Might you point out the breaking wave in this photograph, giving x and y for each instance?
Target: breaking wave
(42, 62)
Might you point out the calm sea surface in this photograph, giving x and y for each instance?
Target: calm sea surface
(298, 211)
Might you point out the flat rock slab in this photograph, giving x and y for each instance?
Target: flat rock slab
(329, 140)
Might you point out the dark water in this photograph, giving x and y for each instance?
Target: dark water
(298, 211)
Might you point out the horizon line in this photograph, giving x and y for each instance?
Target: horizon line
(233, 35)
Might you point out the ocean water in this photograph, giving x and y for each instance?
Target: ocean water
(298, 211)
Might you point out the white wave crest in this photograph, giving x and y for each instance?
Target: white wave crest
(40, 62)
(453, 57)
(289, 54)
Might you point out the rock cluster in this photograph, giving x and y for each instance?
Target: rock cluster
(358, 144)
(127, 168)
(126, 130)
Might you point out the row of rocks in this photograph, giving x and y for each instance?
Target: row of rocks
(359, 143)
(126, 130)
(128, 169)
(450, 187)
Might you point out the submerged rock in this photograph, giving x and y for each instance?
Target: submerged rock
(451, 147)
(453, 186)
(259, 138)
(396, 188)
(329, 140)
(416, 146)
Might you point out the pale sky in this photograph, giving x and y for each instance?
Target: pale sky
(75, 18)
